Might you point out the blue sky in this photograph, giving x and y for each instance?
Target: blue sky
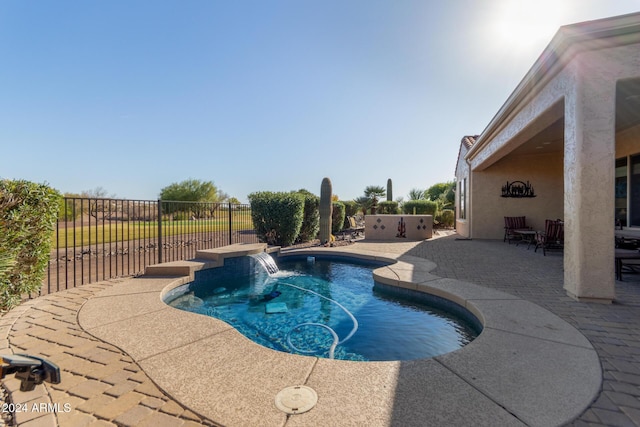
(132, 96)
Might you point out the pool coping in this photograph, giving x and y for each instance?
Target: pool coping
(527, 367)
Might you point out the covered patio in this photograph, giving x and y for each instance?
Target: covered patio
(570, 131)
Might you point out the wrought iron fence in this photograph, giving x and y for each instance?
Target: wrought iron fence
(100, 239)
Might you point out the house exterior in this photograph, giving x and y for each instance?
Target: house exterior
(569, 135)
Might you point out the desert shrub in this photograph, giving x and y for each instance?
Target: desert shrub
(388, 207)
(311, 217)
(446, 217)
(337, 217)
(419, 207)
(28, 214)
(277, 217)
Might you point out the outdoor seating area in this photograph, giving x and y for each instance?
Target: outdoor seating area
(513, 228)
(552, 237)
(575, 140)
(627, 247)
(627, 257)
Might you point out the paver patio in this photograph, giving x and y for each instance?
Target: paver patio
(104, 386)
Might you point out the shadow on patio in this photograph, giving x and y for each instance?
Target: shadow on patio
(611, 329)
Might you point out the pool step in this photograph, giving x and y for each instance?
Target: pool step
(207, 258)
(179, 268)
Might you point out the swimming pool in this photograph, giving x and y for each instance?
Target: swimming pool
(331, 308)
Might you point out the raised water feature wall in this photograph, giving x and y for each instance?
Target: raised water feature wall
(398, 227)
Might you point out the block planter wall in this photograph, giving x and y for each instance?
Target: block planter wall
(398, 227)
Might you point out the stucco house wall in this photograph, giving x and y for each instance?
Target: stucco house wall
(544, 173)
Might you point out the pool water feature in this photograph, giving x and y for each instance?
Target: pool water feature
(266, 261)
(332, 309)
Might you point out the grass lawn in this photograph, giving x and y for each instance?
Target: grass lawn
(121, 231)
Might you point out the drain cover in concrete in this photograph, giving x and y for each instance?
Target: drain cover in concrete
(296, 399)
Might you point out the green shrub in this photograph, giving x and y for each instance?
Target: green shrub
(28, 214)
(420, 207)
(277, 217)
(311, 217)
(445, 217)
(337, 217)
(388, 207)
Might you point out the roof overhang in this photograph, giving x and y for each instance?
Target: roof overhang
(569, 41)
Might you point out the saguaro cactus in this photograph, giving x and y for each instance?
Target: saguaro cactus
(389, 190)
(325, 211)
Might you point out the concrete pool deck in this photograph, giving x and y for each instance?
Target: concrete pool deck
(128, 359)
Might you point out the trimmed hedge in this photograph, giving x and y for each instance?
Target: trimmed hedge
(277, 217)
(388, 207)
(28, 214)
(311, 218)
(420, 207)
(337, 217)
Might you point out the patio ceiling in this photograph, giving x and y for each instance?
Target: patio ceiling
(551, 138)
(546, 132)
(627, 104)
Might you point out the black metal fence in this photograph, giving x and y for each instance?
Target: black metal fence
(100, 239)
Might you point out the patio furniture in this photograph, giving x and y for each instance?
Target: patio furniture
(513, 224)
(623, 242)
(552, 237)
(528, 236)
(354, 229)
(623, 255)
(627, 255)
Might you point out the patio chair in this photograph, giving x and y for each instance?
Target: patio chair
(552, 237)
(513, 223)
(626, 243)
(354, 229)
(627, 255)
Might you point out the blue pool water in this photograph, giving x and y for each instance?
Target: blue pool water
(331, 309)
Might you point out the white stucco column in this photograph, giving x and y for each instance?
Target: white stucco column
(589, 159)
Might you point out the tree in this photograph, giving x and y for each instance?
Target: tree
(363, 203)
(416, 194)
(193, 190)
(100, 204)
(374, 192)
(436, 190)
(443, 193)
(97, 193)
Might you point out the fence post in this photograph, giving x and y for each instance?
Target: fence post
(159, 231)
(230, 227)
